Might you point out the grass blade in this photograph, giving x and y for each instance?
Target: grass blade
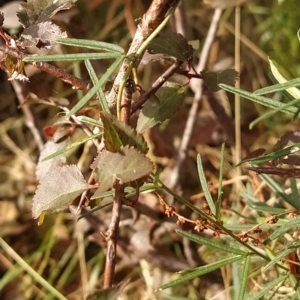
(96, 45)
(204, 185)
(278, 87)
(91, 121)
(243, 285)
(283, 229)
(100, 94)
(268, 288)
(219, 199)
(211, 243)
(96, 87)
(294, 197)
(260, 99)
(273, 155)
(201, 271)
(72, 57)
(281, 255)
(61, 151)
(272, 112)
(261, 206)
(37, 277)
(277, 188)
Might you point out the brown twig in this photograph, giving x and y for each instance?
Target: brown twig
(112, 237)
(68, 78)
(197, 87)
(155, 86)
(112, 233)
(150, 21)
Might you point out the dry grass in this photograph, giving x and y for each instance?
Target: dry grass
(69, 254)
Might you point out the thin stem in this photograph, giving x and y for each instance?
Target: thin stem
(37, 277)
(112, 237)
(197, 87)
(76, 82)
(155, 86)
(210, 219)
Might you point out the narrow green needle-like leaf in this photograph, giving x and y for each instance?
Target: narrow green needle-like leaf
(204, 185)
(259, 99)
(261, 206)
(243, 282)
(295, 194)
(201, 271)
(273, 111)
(96, 87)
(277, 188)
(273, 155)
(91, 121)
(94, 78)
(219, 199)
(211, 243)
(278, 87)
(37, 277)
(96, 45)
(295, 283)
(73, 57)
(281, 255)
(268, 288)
(59, 152)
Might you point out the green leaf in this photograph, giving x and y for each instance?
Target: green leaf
(118, 134)
(211, 243)
(213, 79)
(126, 165)
(284, 253)
(171, 97)
(90, 121)
(173, 44)
(219, 199)
(278, 87)
(260, 99)
(37, 11)
(57, 189)
(73, 57)
(295, 284)
(268, 288)
(256, 205)
(252, 155)
(277, 188)
(243, 282)
(73, 145)
(282, 230)
(293, 91)
(204, 185)
(96, 87)
(100, 94)
(294, 194)
(90, 44)
(201, 271)
(273, 155)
